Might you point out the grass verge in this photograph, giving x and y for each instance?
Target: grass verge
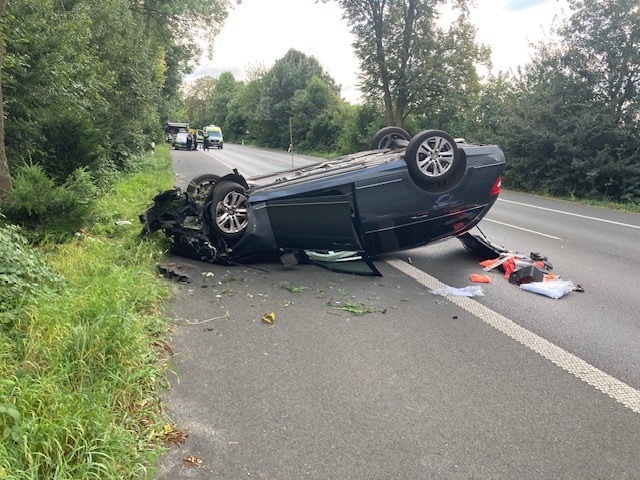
(81, 365)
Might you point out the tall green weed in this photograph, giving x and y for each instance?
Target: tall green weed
(24, 274)
(80, 366)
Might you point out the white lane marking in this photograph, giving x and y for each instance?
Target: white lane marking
(572, 214)
(521, 228)
(614, 388)
(227, 165)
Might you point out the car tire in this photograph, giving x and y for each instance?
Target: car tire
(199, 187)
(227, 211)
(433, 158)
(390, 137)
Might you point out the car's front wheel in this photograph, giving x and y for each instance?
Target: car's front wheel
(228, 211)
(200, 186)
(433, 157)
(390, 137)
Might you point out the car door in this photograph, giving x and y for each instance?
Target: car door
(394, 213)
(315, 223)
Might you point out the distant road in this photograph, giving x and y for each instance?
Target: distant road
(250, 161)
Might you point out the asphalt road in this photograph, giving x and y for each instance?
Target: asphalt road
(510, 385)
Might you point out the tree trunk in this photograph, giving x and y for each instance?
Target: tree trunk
(5, 177)
(401, 104)
(381, 59)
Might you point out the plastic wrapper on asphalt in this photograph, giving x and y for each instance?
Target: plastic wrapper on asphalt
(470, 291)
(554, 289)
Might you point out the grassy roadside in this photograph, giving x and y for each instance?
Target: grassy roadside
(625, 207)
(81, 366)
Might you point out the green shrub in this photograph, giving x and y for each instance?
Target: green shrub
(24, 275)
(69, 142)
(47, 209)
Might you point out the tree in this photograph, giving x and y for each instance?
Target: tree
(241, 111)
(50, 70)
(182, 23)
(365, 121)
(218, 104)
(446, 96)
(318, 116)
(602, 40)
(493, 111)
(197, 98)
(116, 65)
(400, 48)
(574, 127)
(288, 75)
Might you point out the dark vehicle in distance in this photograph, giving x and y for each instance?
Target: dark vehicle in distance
(404, 193)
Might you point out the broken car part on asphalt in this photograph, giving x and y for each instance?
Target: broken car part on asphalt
(532, 273)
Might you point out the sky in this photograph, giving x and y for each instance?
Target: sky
(259, 32)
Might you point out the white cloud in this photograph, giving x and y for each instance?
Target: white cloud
(258, 32)
(523, 4)
(509, 31)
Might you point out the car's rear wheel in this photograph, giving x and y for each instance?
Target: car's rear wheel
(433, 157)
(390, 137)
(200, 186)
(228, 211)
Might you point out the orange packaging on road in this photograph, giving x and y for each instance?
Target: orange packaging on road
(474, 277)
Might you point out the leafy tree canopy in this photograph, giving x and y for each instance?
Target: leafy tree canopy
(406, 58)
(115, 64)
(573, 124)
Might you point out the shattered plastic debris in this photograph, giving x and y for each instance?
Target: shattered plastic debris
(528, 274)
(532, 273)
(554, 289)
(192, 461)
(470, 291)
(509, 266)
(172, 274)
(474, 277)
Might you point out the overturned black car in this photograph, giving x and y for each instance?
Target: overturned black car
(403, 193)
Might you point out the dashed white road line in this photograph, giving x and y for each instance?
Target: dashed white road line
(521, 228)
(614, 388)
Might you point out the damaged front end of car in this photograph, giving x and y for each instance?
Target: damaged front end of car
(224, 228)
